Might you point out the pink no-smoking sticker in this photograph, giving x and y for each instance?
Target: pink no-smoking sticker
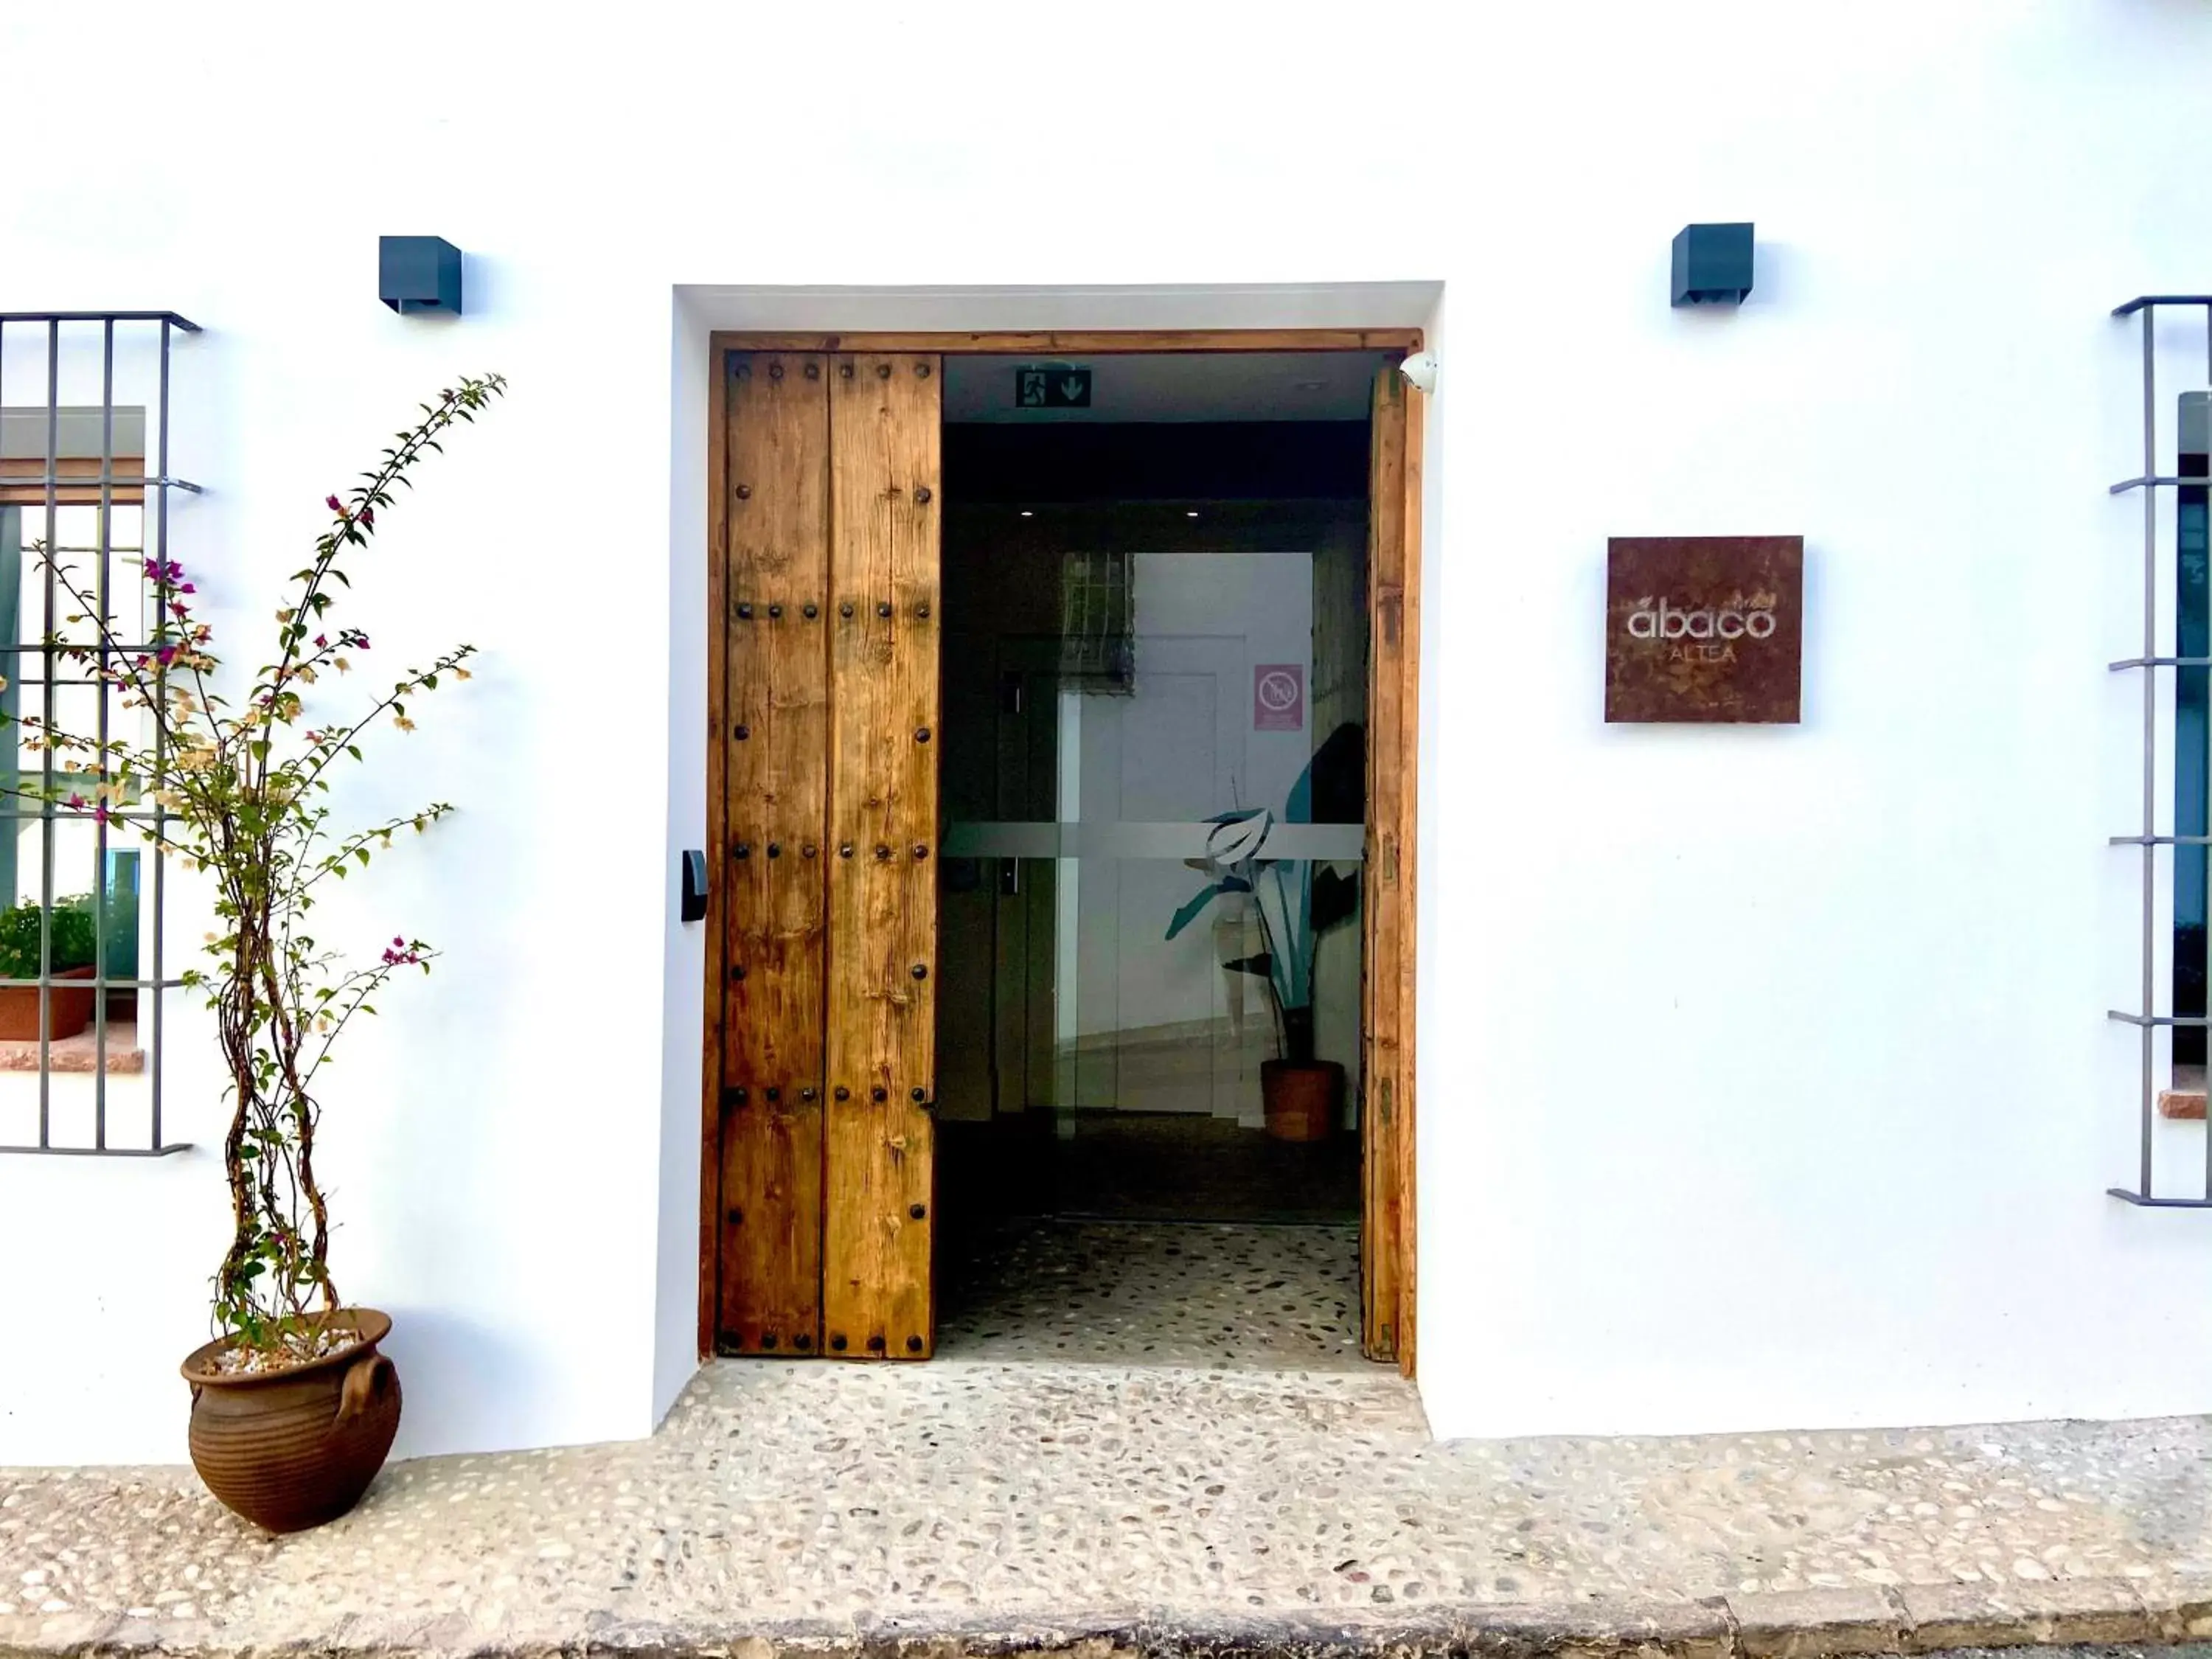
(1279, 696)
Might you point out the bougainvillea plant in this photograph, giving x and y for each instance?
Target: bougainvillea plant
(234, 780)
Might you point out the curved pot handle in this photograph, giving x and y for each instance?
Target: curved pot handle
(364, 1381)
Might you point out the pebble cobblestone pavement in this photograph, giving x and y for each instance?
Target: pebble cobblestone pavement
(991, 1486)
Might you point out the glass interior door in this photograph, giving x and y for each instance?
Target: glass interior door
(1176, 837)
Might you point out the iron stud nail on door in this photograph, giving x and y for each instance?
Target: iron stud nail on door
(884, 608)
(878, 1093)
(844, 849)
(921, 970)
(917, 1211)
(743, 849)
(921, 495)
(773, 1094)
(813, 373)
(876, 1342)
(810, 610)
(845, 609)
(744, 492)
(843, 1093)
(920, 851)
(767, 1339)
(922, 611)
(914, 1345)
(802, 1341)
(845, 370)
(776, 371)
(745, 613)
(776, 849)
(883, 371)
(775, 613)
(920, 1093)
(808, 851)
(737, 974)
(743, 732)
(921, 370)
(837, 1338)
(922, 734)
(734, 1216)
(807, 1093)
(883, 852)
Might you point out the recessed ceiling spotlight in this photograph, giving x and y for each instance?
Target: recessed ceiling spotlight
(1192, 513)
(1026, 514)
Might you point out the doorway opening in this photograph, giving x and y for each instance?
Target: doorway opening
(1153, 785)
(1062, 768)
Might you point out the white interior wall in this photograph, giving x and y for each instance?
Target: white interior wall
(1844, 1160)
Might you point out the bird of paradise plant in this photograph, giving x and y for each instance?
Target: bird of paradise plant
(1296, 901)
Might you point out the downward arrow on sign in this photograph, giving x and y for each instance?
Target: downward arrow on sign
(1070, 387)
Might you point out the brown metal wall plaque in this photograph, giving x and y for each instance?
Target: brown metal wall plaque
(1704, 629)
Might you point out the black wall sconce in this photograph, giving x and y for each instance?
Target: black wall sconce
(1712, 264)
(416, 274)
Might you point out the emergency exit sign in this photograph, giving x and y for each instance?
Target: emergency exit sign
(1052, 388)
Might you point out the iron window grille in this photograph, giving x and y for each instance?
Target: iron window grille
(72, 492)
(2189, 659)
(1097, 624)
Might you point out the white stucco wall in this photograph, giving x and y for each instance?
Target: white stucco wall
(1764, 1078)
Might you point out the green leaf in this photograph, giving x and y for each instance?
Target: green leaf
(1189, 912)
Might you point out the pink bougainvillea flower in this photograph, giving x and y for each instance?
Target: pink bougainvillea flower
(99, 813)
(75, 802)
(334, 504)
(396, 939)
(361, 640)
(369, 516)
(321, 641)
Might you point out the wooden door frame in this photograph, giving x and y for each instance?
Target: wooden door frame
(1387, 1222)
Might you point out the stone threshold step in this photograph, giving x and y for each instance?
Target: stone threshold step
(1812, 1624)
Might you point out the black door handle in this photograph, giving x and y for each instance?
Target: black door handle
(695, 886)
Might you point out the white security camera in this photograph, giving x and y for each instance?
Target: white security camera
(1421, 369)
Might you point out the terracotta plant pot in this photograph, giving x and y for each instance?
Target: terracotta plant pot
(68, 1008)
(292, 1448)
(1301, 1098)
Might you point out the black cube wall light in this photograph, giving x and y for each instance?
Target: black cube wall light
(419, 274)
(1712, 264)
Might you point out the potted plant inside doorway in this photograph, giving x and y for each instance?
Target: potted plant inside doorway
(1298, 900)
(294, 1407)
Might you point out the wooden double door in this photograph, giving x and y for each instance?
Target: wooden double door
(824, 565)
(827, 576)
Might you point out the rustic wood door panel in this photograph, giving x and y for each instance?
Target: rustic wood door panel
(880, 1144)
(775, 805)
(1386, 1123)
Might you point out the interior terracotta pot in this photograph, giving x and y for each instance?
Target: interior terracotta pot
(292, 1448)
(68, 1008)
(1301, 1100)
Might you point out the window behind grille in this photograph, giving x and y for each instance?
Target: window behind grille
(85, 504)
